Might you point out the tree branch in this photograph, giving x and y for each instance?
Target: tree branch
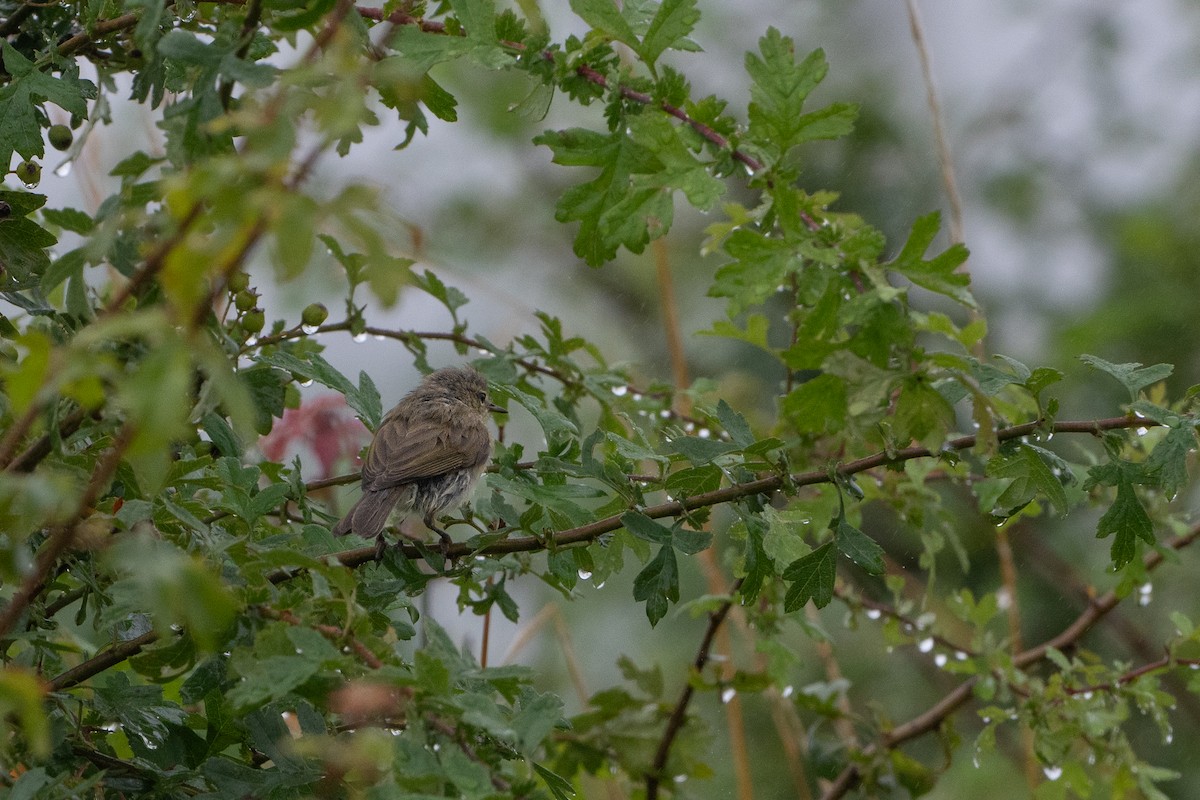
(933, 717)
(116, 654)
(62, 535)
(679, 713)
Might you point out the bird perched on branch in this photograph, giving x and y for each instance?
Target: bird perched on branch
(426, 456)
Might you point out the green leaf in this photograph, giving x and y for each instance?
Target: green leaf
(1026, 467)
(735, 425)
(69, 219)
(1133, 376)
(1168, 460)
(812, 578)
(693, 480)
(20, 129)
(449, 296)
(604, 16)
(817, 405)
(761, 263)
(1127, 521)
(754, 333)
(23, 242)
(857, 546)
(22, 696)
(673, 21)
(700, 451)
(643, 527)
(937, 274)
(658, 584)
(779, 89)
(616, 208)
(922, 414)
(363, 398)
(559, 786)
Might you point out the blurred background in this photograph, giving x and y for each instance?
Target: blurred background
(1074, 131)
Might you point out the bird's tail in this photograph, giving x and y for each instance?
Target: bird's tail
(368, 516)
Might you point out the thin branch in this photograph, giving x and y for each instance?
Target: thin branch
(40, 448)
(10, 25)
(767, 485)
(249, 29)
(933, 717)
(364, 555)
(679, 713)
(101, 661)
(330, 632)
(945, 162)
(62, 535)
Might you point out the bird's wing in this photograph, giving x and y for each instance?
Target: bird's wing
(404, 453)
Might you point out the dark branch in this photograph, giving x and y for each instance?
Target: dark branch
(933, 717)
(679, 713)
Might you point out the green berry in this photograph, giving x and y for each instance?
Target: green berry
(60, 137)
(29, 172)
(254, 320)
(238, 282)
(314, 314)
(245, 300)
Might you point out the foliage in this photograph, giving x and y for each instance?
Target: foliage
(177, 618)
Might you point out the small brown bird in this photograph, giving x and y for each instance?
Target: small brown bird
(427, 454)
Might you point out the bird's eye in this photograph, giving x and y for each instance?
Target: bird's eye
(482, 397)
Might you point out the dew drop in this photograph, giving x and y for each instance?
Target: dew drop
(728, 694)
(788, 690)
(379, 337)
(306, 383)
(310, 329)
(63, 169)
(1053, 773)
(925, 644)
(704, 433)
(620, 391)
(940, 659)
(689, 427)
(960, 655)
(665, 413)
(584, 574)
(874, 613)
(600, 585)
(251, 341)
(1169, 738)
(359, 337)
(680, 778)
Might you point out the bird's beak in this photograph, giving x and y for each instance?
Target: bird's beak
(496, 409)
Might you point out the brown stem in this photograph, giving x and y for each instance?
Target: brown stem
(101, 661)
(933, 717)
(679, 713)
(63, 535)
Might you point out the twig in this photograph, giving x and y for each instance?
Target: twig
(63, 535)
(767, 485)
(330, 632)
(679, 713)
(101, 661)
(933, 717)
(945, 162)
(1008, 574)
